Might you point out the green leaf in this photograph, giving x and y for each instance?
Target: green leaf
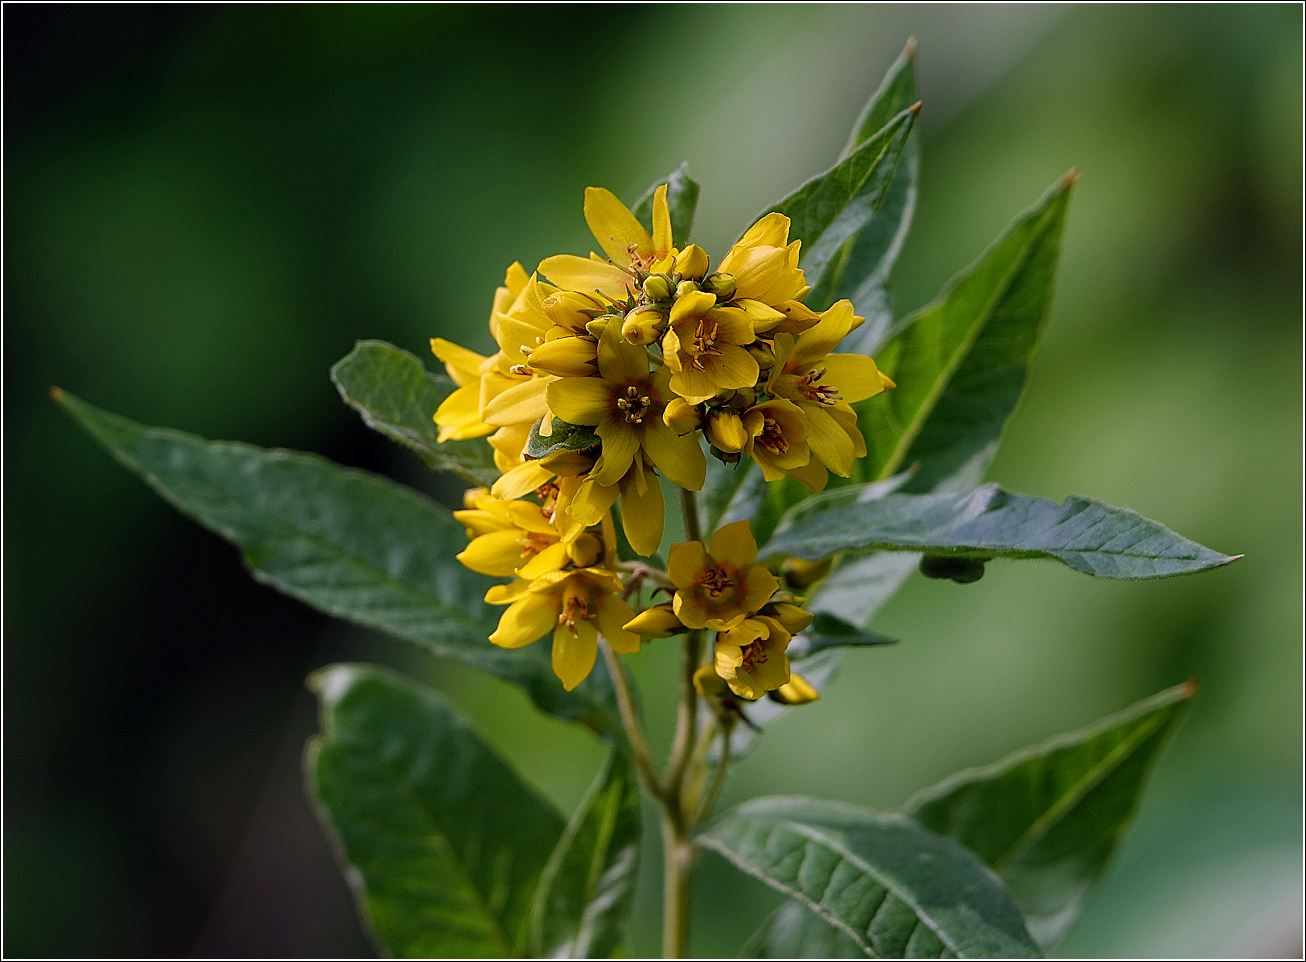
(831, 208)
(1047, 818)
(397, 396)
(795, 932)
(346, 542)
(861, 272)
(682, 200)
(584, 898)
(445, 843)
(1087, 535)
(896, 889)
(961, 362)
(565, 437)
(831, 631)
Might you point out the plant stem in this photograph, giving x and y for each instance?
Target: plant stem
(630, 722)
(678, 862)
(718, 777)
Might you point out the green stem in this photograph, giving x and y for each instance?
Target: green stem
(678, 863)
(639, 749)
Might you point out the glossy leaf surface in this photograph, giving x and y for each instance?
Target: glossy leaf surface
(397, 396)
(896, 889)
(1047, 818)
(1089, 536)
(446, 844)
(682, 201)
(584, 899)
(347, 542)
(564, 437)
(793, 931)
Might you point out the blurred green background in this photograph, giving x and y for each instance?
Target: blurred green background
(206, 206)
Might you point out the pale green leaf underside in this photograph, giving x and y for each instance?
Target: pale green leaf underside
(1047, 818)
(896, 889)
(347, 542)
(446, 844)
(1089, 536)
(584, 898)
(397, 396)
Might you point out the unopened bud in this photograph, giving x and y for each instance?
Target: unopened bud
(726, 431)
(643, 325)
(681, 416)
(566, 357)
(762, 354)
(801, 574)
(793, 618)
(685, 287)
(709, 683)
(656, 622)
(720, 284)
(743, 398)
(585, 550)
(659, 287)
(797, 691)
(692, 262)
(596, 326)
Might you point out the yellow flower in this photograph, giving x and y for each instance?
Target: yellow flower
(720, 586)
(704, 349)
(764, 264)
(577, 606)
(656, 622)
(624, 406)
(642, 510)
(799, 691)
(459, 415)
(751, 656)
(623, 239)
(776, 437)
(520, 538)
(823, 386)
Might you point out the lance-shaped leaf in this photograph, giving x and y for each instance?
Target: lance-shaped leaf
(584, 898)
(794, 931)
(1087, 535)
(564, 437)
(347, 542)
(1047, 818)
(961, 362)
(729, 493)
(831, 208)
(861, 270)
(896, 889)
(682, 200)
(445, 843)
(397, 395)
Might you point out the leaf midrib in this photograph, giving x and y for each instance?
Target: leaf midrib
(945, 376)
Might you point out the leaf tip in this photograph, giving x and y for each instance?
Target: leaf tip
(914, 109)
(56, 394)
(1069, 178)
(1190, 688)
(909, 49)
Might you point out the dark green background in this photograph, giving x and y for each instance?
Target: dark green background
(206, 206)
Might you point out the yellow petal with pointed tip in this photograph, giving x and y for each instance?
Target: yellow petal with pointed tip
(573, 655)
(661, 222)
(614, 226)
(734, 543)
(612, 616)
(520, 404)
(527, 619)
(580, 400)
(643, 515)
(581, 274)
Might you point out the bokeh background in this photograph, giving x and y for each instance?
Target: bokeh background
(206, 205)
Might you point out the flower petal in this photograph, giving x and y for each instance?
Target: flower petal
(614, 227)
(612, 616)
(580, 400)
(521, 480)
(734, 543)
(679, 458)
(573, 655)
(620, 445)
(550, 559)
(581, 274)
(854, 375)
(642, 515)
(759, 586)
(520, 404)
(527, 619)
(829, 442)
(661, 222)
(497, 554)
(686, 562)
(620, 360)
(734, 367)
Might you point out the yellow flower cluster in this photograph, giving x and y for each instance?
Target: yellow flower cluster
(611, 366)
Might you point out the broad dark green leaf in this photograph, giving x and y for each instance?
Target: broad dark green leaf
(861, 271)
(832, 207)
(730, 493)
(446, 844)
(846, 496)
(1087, 535)
(896, 889)
(1046, 819)
(831, 631)
(346, 542)
(793, 931)
(584, 898)
(961, 362)
(397, 395)
(564, 437)
(858, 586)
(682, 200)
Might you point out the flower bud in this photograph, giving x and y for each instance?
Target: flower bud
(692, 262)
(585, 550)
(643, 325)
(656, 622)
(799, 574)
(566, 357)
(709, 684)
(597, 326)
(798, 691)
(681, 416)
(659, 287)
(685, 287)
(793, 618)
(743, 398)
(569, 309)
(762, 354)
(726, 431)
(722, 285)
